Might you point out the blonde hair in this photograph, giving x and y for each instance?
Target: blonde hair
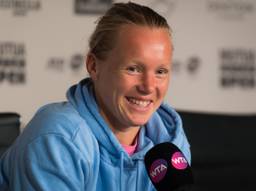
(103, 38)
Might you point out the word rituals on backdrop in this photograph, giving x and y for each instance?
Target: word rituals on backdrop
(20, 7)
(91, 6)
(231, 10)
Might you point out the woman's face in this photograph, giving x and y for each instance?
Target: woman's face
(131, 82)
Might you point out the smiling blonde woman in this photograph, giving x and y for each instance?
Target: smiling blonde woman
(98, 138)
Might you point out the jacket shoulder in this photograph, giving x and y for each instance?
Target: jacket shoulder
(59, 119)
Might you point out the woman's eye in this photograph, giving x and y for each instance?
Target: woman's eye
(162, 71)
(133, 69)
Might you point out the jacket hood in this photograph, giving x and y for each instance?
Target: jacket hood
(164, 125)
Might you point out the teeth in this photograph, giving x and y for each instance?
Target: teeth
(139, 102)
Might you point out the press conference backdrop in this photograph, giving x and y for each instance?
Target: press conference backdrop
(43, 43)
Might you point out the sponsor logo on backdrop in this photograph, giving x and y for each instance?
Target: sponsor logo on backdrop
(76, 62)
(59, 64)
(56, 64)
(193, 64)
(12, 63)
(237, 68)
(190, 66)
(91, 6)
(164, 7)
(231, 9)
(20, 7)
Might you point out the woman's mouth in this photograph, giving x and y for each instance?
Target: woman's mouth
(139, 102)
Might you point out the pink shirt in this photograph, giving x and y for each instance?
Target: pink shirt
(130, 149)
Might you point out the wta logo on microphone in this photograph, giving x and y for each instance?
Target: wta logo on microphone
(158, 170)
(159, 167)
(178, 161)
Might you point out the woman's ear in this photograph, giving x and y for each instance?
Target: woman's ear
(91, 65)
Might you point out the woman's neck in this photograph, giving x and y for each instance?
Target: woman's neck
(128, 136)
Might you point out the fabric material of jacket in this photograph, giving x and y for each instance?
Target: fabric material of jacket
(68, 146)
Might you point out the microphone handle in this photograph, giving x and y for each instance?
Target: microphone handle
(184, 188)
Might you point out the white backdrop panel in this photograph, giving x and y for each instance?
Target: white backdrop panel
(42, 45)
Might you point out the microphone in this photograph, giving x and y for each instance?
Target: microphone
(168, 169)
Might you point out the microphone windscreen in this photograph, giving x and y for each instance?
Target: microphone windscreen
(168, 168)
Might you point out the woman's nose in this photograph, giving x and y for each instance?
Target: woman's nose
(147, 84)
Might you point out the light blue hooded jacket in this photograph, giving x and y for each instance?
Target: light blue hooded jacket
(69, 147)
